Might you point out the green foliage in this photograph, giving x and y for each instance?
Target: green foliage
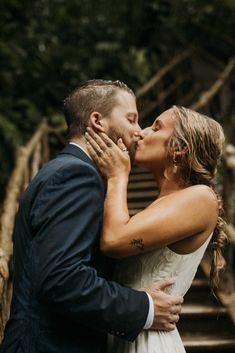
(9, 132)
(48, 46)
(10, 138)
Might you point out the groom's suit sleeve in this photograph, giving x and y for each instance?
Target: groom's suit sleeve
(66, 220)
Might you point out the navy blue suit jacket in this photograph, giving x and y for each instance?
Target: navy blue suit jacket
(62, 302)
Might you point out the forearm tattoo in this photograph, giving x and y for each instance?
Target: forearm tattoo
(138, 243)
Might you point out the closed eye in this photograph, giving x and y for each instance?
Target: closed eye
(132, 118)
(156, 126)
(132, 121)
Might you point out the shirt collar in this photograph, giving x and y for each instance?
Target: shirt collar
(76, 144)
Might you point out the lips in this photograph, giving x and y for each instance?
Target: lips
(138, 144)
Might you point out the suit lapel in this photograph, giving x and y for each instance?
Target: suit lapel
(79, 153)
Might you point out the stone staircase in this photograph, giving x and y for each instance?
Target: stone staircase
(205, 325)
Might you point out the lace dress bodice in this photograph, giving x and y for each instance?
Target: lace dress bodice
(139, 272)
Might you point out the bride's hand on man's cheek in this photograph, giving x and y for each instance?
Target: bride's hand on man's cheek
(111, 159)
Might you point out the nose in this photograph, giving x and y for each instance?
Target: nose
(139, 135)
(144, 132)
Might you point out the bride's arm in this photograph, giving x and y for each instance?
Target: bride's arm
(188, 212)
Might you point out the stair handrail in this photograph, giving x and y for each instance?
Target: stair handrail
(36, 152)
(162, 72)
(229, 162)
(206, 96)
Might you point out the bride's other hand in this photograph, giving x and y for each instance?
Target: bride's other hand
(112, 160)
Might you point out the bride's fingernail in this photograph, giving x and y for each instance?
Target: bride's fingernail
(88, 128)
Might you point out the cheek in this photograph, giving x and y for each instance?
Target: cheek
(127, 134)
(114, 133)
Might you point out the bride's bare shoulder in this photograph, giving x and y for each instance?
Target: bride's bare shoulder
(200, 196)
(201, 191)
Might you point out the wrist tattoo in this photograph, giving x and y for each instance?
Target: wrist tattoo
(138, 243)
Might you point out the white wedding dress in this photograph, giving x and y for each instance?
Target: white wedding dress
(139, 272)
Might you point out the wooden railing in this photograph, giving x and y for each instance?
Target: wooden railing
(36, 152)
(226, 290)
(207, 96)
(215, 101)
(29, 158)
(162, 73)
(158, 80)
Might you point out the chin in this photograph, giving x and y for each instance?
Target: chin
(141, 163)
(137, 159)
(137, 162)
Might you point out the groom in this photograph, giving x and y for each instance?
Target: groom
(62, 299)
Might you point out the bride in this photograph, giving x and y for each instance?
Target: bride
(169, 237)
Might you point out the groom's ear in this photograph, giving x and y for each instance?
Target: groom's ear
(96, 121)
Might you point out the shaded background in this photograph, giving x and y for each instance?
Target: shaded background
(169, 52)
(48, 46)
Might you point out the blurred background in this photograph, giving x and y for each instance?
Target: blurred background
(48, 46)
(169, 52)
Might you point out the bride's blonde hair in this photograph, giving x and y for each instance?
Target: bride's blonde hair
(202, 139)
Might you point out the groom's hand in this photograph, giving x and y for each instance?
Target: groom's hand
(166, 307)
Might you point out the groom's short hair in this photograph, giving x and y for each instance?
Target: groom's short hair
(90, 96)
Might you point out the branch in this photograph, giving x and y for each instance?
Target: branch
(152, 106)
(161, 73)
(206, 96)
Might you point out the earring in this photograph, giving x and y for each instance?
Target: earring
(175, 167)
